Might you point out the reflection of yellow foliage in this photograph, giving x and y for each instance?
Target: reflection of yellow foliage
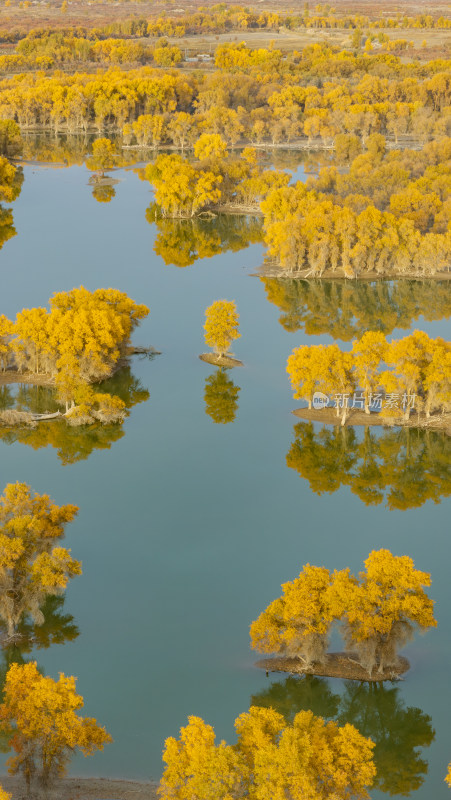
(377, 711)
(347, 310)
(104, 194)
(182, 242)
(221, 397)
(405, 466)
(72, 444)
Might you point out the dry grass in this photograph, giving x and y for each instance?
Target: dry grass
(85, 789)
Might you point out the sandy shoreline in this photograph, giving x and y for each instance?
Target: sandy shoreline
(336, 665)
(86, 789)
(356, 417)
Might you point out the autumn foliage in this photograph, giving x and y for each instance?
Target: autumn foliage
(379, 612)
(419, 370)
(33, 565)
(78, 342)
(271, 760)
(41, 717)
(221, 326)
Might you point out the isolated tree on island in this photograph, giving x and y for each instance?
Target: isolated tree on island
(272, 760)
(31, 567)
(384, 607)
(221, 326)
(40, 716)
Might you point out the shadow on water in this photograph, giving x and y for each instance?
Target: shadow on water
(346, 310)
(377, 711)
(403, 466)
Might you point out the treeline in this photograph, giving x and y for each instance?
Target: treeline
(80, 341)
(256, 95)
(223, 19)
(417, 374)
(185, 189)
(388, 215)
(45, 52)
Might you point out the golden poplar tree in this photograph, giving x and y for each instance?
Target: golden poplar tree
(310, 758)
(32, 567)
(298, 623)
(384, 607)
(6, 330)
(221, 326)
(41, 717)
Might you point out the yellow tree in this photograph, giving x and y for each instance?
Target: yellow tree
(384, 608)
(6, 330)
(303, 372)
(298, 623)
(31, 566)
(182, 190)
(325, 369)
(409, 358)
(210, 147)
(310, 758)
(103, 155)
(221, 326)
(31, 343)
(368, 352)
(4, 795)
(437, 382)
(41, 717)
(7, 178)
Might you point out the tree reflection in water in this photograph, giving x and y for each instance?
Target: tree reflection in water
(221, 397)
(376, 711)
(404, 466)
(72, 444)
(57, 628)
(347, 309)
(183, 241)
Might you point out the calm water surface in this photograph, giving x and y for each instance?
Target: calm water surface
(187, 528)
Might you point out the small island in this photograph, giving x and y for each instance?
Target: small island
(221, 328)
(378, 612)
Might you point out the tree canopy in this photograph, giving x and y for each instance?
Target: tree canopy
(271, 760)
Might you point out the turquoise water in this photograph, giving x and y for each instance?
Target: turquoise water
(187, 528)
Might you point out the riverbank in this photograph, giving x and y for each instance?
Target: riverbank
(358, 417)
(336, 665)
(274, 270)
(85, 789)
